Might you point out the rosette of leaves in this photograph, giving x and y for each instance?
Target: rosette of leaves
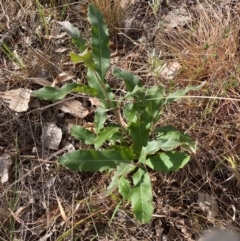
(134, 144)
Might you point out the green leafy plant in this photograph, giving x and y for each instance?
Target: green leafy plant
(134, 144)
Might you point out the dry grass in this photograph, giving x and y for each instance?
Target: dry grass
(44, 200)
(208, 48)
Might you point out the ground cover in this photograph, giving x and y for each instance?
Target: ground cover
(193, 42)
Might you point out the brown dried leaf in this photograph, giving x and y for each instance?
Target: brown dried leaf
(51, 136)
(74, 108)
(170, 70)
(58, 36)
(94, 101)
(5, 162)
(68, 146)
(89, 126)
(64, 76)
(63, 214)
(177, 17)
(208, 204)
(17, 99)
(61, 50)
(41, 81)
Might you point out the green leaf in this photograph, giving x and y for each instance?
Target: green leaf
(147, 104)
(118, 136)
(98, 61)
(126, 151)
(139, 132)
(133, 84)
(83, 134)
(187, 144)
(100, 41)
(130, 112)
(101, 56)
(141, 196)
(156, 145)
(100, 118)
(54, 94)
(124, 188)
(138, 93)
(111, 187)
(105, 135)
(91, 160)
(167, 133)
(85, 89)
(177, 95)
(164, 130)
(168, 161)
(169, 138)
(169, 142)
(122, 169)
(85, 57)
(104, 92)
(131, 81)
(154, 101)
(75, 34)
